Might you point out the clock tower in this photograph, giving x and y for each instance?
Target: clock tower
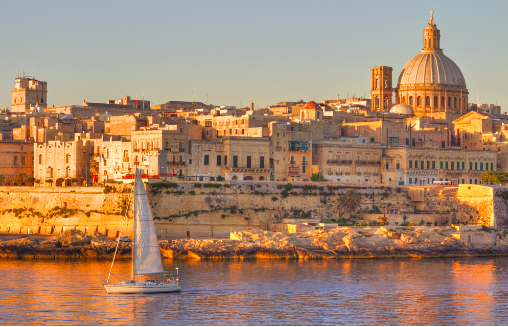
(381, 91)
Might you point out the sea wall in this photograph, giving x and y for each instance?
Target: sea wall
(216, 210)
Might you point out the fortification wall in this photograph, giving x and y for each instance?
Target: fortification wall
(203, 210)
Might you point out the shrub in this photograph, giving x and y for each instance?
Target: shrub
(398, 189)
(422, 222)
(107, 189)
(192, 192)
(285, 193)
(212, 185)
(74, 180)
(288, 187)
(280, 186)
(223, 216)
(486, 229)
(60, 181)
(87, 214)
(164, 185)
(246, 218)
(258, 185)
(232, 210)
(274, 198)
(198, 185)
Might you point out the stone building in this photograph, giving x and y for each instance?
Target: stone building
(231, 158)
(67, 160)
(16, 157)
(349, 160)
(423, 166)
(29, 92)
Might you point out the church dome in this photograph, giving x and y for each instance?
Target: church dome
(402, 109)
(432, 67)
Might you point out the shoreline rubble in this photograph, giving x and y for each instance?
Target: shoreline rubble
(338, 243)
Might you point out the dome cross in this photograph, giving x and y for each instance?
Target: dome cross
(431, 12)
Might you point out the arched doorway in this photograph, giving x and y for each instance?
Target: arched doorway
(235, 178)
(247, 178)
(261, 178)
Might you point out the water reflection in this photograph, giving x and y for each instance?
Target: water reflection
(338, 292)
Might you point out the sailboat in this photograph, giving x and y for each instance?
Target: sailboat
(146, 256)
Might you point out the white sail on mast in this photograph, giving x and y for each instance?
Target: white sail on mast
(147, 256)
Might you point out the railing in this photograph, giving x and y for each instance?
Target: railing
(368, 162)
(375, 174)
(278, 148)
(305, 163)
(358, 174)
(178, 163)
(339, 173)
(181, 149)
(293, 162)
(347, 173)
(298, 148)
(339, 162)
(366, 174)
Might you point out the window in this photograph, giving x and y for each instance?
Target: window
(452, 167)
(248, 162)
(446, 165)
(433, 165)
(486, 166)
(235, 161)
(225, 160)
(303, 169)
(475, 166)
(419, 101)
(443, 144)
(219, 160)
(410, 164)
(428, 164)
(23, 160)
(470, 167)
(262, 162)
(492, 166)
(416, 163)
(397, 165)
(15, 160)
(413, 142)
(481, 165)
(463, 167)
(40, 159)
(410, 180)
(392, 140)
(67, 158)
(407, 141)
(440, 165)
(421, 164)
(207, 160)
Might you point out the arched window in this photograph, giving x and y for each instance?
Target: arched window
(67, 158)
(40, 159)
(411, 101)
(318, 115)
(385, 103)
(419, 101)
(404, 100)
(442, 102)
(377, 102)
(377, 83)
(427, 101)
(460, 103)
(449, 102)
(105, 173)
(243, 132)
(435, 102)
(454, 102)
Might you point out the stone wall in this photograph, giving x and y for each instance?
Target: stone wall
(200, 210)
(480, 198)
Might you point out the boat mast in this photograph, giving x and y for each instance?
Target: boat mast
(134, 240)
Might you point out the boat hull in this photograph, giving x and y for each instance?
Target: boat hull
(134, 288)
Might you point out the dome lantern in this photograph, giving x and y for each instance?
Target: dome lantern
(431, 36)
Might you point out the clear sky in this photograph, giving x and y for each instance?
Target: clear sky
(241, 51)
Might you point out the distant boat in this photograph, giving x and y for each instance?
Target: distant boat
(146, 256)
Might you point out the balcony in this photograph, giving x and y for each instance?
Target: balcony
(278, 148)
(292, 162)
(358, 174)
(305, 163)
(367, 162)
(347, 173)
(176, 163)
(375, 174)
(181, 150)
(366, 174)
(339, 162)
(245, 168)
(298, 148)
(339, 173)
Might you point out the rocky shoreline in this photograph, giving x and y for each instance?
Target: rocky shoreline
(337, 243)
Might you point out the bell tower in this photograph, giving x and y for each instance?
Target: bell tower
(381, 92)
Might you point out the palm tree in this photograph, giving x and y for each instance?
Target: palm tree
(350, 201)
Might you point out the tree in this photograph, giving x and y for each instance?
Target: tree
(316, 177)
(60, 181)
(496, 177)
(350, 201)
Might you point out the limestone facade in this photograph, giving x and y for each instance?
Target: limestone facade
(29, 92)
(68, 160)
(423, 166)
(16, 157)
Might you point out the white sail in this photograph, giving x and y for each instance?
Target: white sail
(147, 256)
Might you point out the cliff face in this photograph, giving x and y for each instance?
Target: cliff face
(203, 210)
